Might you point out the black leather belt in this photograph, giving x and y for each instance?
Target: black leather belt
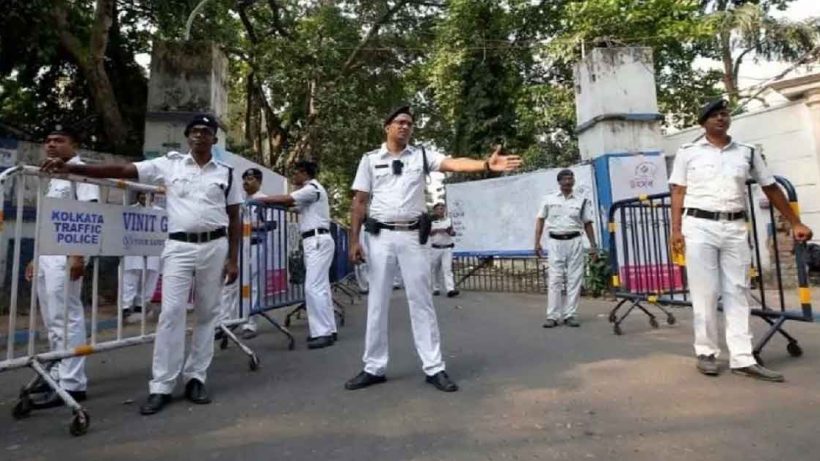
(396, 226)
(313, 232)
(715, 215)
(441, 247)
(570, 236)
(198, 237)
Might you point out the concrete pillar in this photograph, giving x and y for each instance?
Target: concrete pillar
(187, 78)
(616, 104)
(619, 133)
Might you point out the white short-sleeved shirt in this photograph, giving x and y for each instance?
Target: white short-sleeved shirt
(60, 188)
(395, 197)
(314, 209)
(441, 238)
(195, 196)
(563, 214)
(715, 179)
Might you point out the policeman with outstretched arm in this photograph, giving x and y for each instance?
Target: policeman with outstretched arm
(204, 230)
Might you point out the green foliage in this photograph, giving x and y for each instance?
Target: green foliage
(598, 275)
(313, 78)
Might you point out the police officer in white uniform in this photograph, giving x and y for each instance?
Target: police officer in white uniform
(134, 294)
(251, 183)
(52, 294)
(566, 215)
(708, 183)
(314, 224)
(204, 229)
(441, 251)
(391, 180)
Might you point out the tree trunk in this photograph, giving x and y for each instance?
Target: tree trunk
(729, 77)
(91, 63)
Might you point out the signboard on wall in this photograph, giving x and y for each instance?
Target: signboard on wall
(497, 216)
(69, 227)
(635, 175)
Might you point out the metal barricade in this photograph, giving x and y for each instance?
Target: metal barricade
(340, 276)
(645, 272)
(65, 227)
(272, 272)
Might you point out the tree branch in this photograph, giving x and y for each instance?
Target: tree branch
(739, 60)
(99, 33)
(370, 34)
(243, 16)
(277, 20)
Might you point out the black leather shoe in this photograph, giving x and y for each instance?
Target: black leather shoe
(53, 400)
(452, 293)
(708, 365)
(436, 292)
(155, 403)
(364, 379)
(195, 392)
(320, 342)
(333, 335)
(442, 382)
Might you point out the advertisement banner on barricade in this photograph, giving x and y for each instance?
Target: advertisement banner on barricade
(69, 227)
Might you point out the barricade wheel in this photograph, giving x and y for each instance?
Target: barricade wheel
(223, 343)
(617, 329)
(79, 424)
(22, 408)
(794, 349)
(254, 363)
(670, 319)
(287, 321)
(612, 317)
(653, 322)
(291, 345)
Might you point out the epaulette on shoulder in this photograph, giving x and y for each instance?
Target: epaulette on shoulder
(372, 152)
(174, 154)
(687, 145)
(221, 163)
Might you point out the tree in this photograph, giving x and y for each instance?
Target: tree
(745, 29)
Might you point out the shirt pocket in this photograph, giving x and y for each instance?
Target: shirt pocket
(702, 171)
(214, 189)
(179, 185)
(736, 169)
(413, 173)
(381, 174)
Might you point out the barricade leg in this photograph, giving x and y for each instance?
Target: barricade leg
(228, 334)
(80, 421)
(776, 326)
(282, 329)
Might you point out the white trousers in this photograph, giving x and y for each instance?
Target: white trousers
(442, 268)
(361, 268)
(318, 258)
(132, 295)
(229, 308)
(385, 253)
(180, 261)
(717, 263)
(58, 306)
(566, 273)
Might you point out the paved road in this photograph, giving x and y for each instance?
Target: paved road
(527, 393)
